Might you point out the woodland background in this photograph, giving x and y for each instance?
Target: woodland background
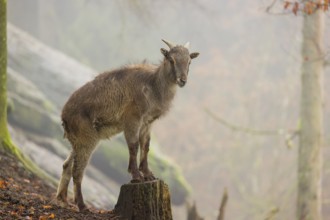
(248, 73)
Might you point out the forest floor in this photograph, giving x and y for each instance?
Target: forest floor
(23, 195)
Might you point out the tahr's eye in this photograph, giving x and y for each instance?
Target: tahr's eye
(171, 60)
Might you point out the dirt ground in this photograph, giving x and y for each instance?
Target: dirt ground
(25, 196)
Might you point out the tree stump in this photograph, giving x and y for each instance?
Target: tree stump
(144, 201)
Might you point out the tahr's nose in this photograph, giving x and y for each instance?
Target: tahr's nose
(182, 82)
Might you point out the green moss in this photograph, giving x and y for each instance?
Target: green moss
(35, 119)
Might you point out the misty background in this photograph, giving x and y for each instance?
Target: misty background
(247, 76)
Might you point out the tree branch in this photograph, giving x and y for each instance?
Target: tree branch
(244, 129)
(269, 7)
(272, 213)
(289, 138)
(223, 205)
(288, 135)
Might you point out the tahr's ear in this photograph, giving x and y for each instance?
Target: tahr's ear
(194, 55)
(164, 52)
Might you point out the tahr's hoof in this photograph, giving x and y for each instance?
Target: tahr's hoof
(83, 209)
(60, 202)
(149, 178)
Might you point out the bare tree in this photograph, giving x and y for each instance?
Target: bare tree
(309, 201)
(311, 116)
(5, 139)
(4, 134)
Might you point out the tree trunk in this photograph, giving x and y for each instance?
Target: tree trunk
(5, 140)
(310, 142)
(4, 134)
(148, 200)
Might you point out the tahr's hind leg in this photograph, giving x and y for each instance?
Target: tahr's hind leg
(80, 161)
(144, 147)
(62, 190)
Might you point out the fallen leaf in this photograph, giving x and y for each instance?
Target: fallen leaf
(46, 206)
(43, 217)
(26, 180)
(3, 184)
(295, 8)
(286, 5)
(52, 215)
(13, 213)
(21, 207)
(308, 8)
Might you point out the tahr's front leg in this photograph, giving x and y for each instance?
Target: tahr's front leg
(132, 165)
(131, 134)
(144, 146)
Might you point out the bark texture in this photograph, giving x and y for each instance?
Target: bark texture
(148, 201)
(311, 114)
(4, 135)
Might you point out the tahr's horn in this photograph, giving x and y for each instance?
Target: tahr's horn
(187, 45)
(170, 45)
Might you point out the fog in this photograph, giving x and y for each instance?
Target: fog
(229, 127)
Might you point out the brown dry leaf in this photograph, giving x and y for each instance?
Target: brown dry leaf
(52, 215)
(286, 5)
(31, 211)
(46, 206)
(43, 217)
(3, 184)
(26, 180)
(295, 8)
(102, 211)
(308, 8)
(21, 207)
(13, 213)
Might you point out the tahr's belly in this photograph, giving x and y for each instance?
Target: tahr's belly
(109, 131)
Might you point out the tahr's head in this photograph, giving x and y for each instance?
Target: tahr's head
(179, 58)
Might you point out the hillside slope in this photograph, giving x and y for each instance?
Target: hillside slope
(25, 196)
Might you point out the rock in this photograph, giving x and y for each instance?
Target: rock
(99, 190)
(31, 110)
(148, 200)
(55, 74)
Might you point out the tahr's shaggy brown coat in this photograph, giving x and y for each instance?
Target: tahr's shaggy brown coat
(127, 99)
